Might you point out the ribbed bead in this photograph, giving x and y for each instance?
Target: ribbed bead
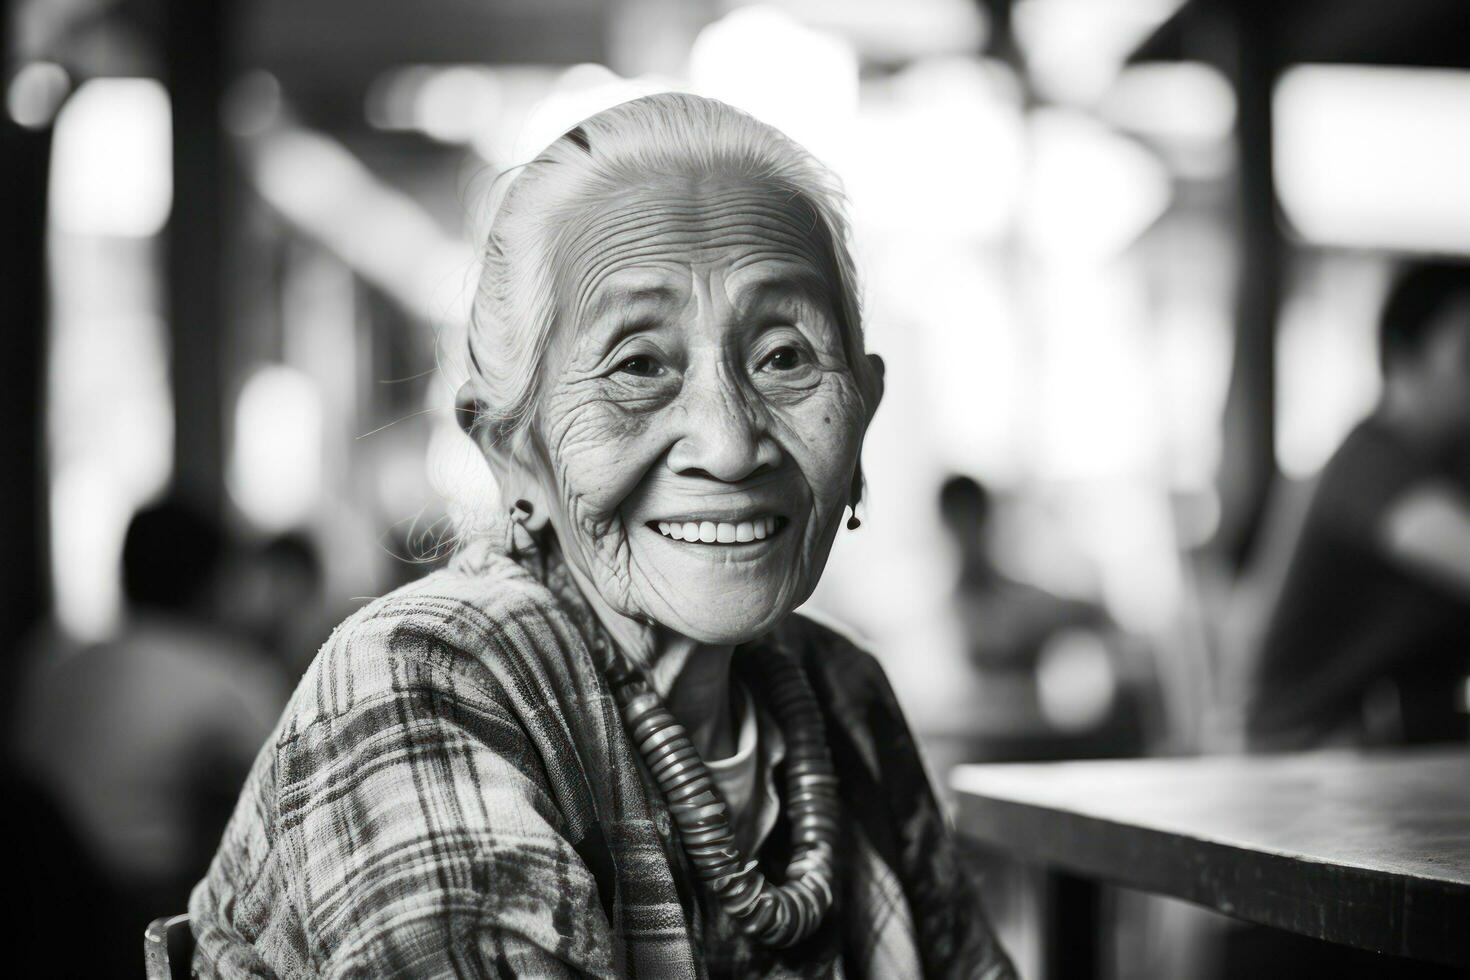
(777, 915)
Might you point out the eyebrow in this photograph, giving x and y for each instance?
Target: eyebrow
(604, 298)
(804, 282)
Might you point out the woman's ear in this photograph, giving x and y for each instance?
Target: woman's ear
(874, 395)
(467, 409)
(514, 477)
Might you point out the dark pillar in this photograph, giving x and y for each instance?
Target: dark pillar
(1001, 40)
(24, 576)
(1248, 467)
(195, 56)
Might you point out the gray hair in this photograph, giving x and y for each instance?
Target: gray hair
(669, 134)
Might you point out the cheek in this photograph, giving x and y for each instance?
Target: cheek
(597, 451)
(824, 435)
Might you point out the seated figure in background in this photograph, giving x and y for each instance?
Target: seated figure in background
(1369, 640)
(1059, 678)
(144, 738)
(1007, 623)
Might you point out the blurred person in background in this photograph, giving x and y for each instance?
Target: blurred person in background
(1007, 623)
(1369, 640)
(143, 740)
(600, 743)
(276, 598)
(58, 889)
(1059, 678)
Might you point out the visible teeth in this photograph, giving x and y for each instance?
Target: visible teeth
(711, 532)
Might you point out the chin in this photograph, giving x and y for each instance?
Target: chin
(722, 628)
(721, 593)
(726, 612)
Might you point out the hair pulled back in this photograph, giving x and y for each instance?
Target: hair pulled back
(669, 134)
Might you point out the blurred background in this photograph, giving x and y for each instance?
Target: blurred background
(1124, 260)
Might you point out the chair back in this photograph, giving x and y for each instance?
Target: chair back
(168, 948)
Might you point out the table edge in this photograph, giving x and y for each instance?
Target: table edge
(1338, 903)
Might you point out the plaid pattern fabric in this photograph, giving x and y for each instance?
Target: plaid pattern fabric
(450, 792)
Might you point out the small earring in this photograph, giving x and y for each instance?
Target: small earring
(852, 522)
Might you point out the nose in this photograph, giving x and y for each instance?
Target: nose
(725, 434)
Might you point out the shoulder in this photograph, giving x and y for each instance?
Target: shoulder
(826, 639)
(1371, 468)
(1374, 457)
(836, 661)
(457, 632)
(418, 743)
(870, 739)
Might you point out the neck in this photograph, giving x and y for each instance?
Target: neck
(693, 678)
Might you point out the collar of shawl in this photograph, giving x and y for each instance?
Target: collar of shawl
(777, 915)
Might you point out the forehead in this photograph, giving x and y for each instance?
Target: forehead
(630, 242)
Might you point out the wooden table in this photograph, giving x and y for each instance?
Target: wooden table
(1370, 851)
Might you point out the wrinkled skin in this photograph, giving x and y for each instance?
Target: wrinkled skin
(699, 372)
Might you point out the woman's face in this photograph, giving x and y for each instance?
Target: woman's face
(699, 427)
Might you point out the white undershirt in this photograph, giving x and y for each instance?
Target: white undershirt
(745, 778)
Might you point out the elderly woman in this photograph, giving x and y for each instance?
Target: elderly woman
(601, 742)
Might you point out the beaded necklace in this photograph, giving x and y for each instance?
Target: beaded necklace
(776, 915)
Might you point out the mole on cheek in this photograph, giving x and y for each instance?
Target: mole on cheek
(827, 419)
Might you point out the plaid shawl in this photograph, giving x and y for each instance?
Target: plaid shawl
(450, 792)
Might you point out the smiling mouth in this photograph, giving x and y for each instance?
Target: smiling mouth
(721, 532)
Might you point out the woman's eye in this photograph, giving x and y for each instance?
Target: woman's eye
(641, 366)
(784, 359)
